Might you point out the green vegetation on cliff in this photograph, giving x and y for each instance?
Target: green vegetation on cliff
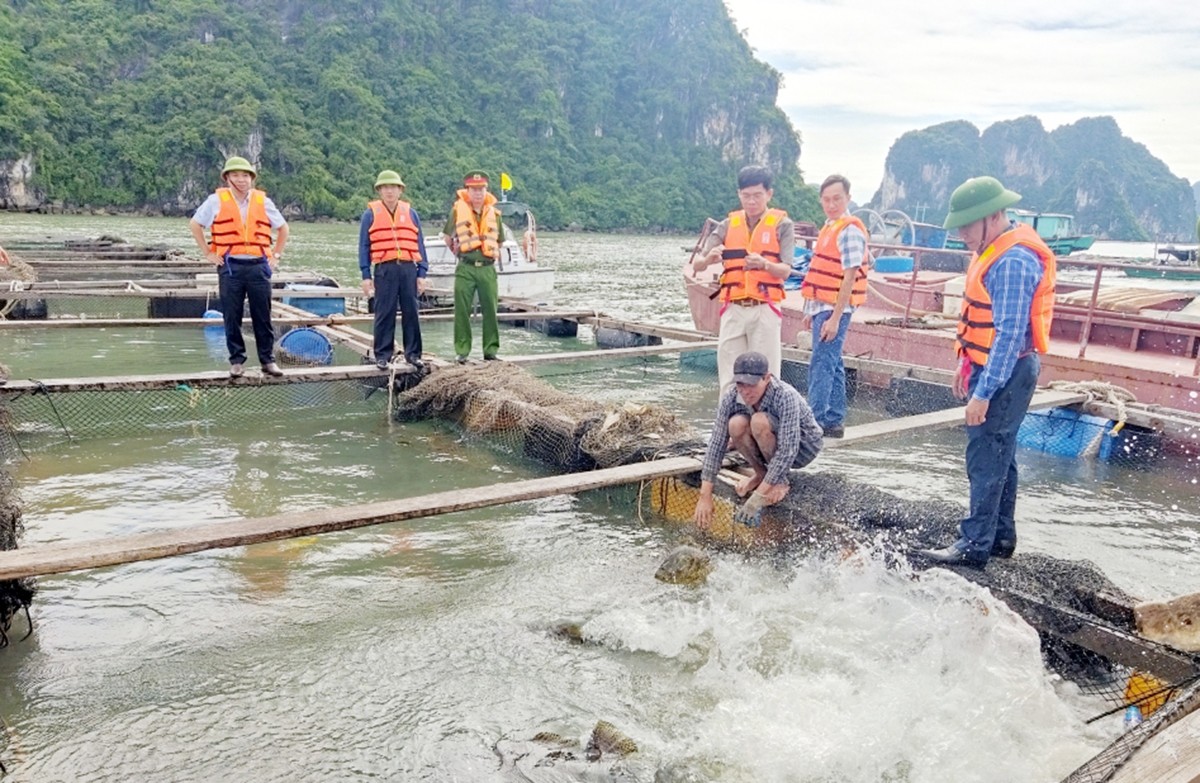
(609, 114)
(1113, 185)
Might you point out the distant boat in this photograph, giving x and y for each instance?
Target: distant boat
(1164, 272)
(1056, 228)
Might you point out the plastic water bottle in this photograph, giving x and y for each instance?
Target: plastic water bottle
(1133, 716)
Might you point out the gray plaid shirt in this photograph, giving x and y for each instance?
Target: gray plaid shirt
(797, 432)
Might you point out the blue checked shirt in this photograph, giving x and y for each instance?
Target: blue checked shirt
(852, 244)
(1010, 282)
(797, 429)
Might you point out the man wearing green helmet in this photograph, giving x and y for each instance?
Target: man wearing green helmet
(1007, 307)
(392, 247)
(239, 219)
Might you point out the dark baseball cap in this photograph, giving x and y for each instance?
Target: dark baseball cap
(750, 367)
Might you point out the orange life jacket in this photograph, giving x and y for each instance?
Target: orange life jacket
(737, 282)
(482, 234)
(230, 236)
(976, 329)
(825, 271)
(393, 235)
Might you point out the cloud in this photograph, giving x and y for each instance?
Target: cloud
(858, 75)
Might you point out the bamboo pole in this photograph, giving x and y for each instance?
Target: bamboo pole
(62, 557)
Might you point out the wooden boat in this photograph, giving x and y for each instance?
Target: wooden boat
(1143, 340)
(1056, 228)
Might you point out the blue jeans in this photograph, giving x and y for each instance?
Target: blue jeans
(992, 461)
(827, 374)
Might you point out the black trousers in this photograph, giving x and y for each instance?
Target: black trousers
(239, 281)
(396, 287)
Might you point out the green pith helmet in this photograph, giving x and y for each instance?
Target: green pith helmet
(388, 177)
(238, 164)
(977, 198)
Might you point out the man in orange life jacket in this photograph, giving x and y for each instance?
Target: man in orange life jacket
(1007, 307)
(390, 245)
(835, 284)
(755, 244)
(240, 219)
(474, 233)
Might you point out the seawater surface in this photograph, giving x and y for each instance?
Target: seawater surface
(421, 650)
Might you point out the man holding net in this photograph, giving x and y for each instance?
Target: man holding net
(771, 425)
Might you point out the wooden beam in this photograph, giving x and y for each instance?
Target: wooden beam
(880, 366)
(1170, 756)
(318, 292)
(608, 353)
(654, 330)
(360, 343)
(293, 320)
(61, 557)
(198, 380)
(937, 420)
(1178, 424)
(277, 277)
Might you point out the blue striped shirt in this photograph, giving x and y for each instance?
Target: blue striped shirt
(852, 245)
(796, 429)
(1010, 282)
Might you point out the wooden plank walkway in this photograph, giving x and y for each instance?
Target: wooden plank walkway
(197, 380)
(220, 378)
(291, 320)
(950, 417)
(97, 553)
(197, 292)
(1171, 756)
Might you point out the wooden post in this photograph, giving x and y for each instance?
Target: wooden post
(1086, 331)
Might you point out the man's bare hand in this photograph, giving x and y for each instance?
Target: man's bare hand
(704, 512)
(976, 411)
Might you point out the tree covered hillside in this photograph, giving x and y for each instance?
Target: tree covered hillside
(610, 113)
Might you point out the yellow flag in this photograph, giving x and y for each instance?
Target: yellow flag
(505, 181)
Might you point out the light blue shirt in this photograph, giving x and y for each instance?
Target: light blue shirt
(211, 207)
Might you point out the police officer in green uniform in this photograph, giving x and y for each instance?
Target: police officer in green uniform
(474, 233)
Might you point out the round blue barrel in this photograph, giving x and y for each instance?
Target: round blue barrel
(893, 264)
(305, 346)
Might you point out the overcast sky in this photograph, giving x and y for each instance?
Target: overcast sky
(857, 75)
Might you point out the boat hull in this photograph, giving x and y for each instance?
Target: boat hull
(1151, 356)
(519, 284)
(1164, 272)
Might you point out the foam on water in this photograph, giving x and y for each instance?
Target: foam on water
(850, 672)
